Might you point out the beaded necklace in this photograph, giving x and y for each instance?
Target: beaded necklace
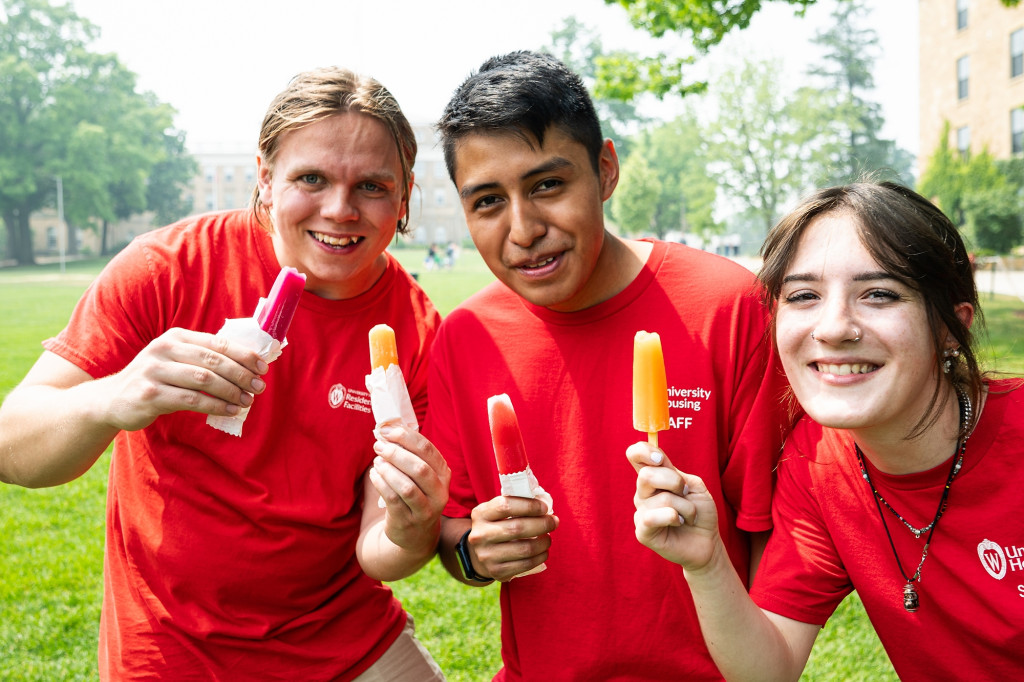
(910, 596)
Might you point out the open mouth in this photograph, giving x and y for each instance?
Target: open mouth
(336, 242)
(539, 264)
(846, 368)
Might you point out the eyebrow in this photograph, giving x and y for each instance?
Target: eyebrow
(862, 277)
(552, 164)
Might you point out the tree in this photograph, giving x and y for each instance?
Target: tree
(68, 112)
(676, 153)
(758, 141)
(633, 203)
(847, 75)
(581, 50)
(701, 23)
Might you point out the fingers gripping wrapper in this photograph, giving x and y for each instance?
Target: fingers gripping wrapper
(264, 333)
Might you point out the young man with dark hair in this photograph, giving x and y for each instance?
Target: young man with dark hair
(523, 145)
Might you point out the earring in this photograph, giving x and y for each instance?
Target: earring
(950, 355)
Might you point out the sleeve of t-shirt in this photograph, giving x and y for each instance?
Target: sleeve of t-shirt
(758, 420)
(801, 575)
(117, 316)
(441, 428)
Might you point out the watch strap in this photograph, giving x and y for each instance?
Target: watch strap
(462, 551)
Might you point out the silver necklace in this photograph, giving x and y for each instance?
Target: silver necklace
(911, 601)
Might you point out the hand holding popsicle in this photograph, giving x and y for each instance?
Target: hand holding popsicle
(264, 333)
(650, 386)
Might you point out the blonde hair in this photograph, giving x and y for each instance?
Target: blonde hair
(317, 94)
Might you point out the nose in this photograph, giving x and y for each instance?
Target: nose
(836, 324)
(526, 225)
(338, 205)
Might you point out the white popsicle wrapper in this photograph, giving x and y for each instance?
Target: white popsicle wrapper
(389, 399)
(246, 330)
(524, 484)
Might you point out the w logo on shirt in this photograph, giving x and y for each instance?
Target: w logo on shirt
(992, 558)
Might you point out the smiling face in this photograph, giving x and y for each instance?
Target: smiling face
(836, 291)
(535, 214)
(334, 196)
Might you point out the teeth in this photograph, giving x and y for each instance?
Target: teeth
(335, 241)
(540, 264)
(849, 368)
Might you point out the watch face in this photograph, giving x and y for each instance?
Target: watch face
(462, 551)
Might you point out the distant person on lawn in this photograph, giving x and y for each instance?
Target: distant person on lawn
(257, 557)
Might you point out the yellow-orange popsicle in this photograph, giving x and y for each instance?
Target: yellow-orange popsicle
(382, 347)
(650, 387)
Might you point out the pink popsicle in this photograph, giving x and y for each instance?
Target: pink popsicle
(509, 450)
(276, 315)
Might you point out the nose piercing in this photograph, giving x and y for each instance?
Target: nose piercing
(813, 337)
(856, 338)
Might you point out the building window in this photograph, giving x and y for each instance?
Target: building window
(211, 202)
(1017, 130)
(250, 174)
(439, 197)
(1017, 53)
(963, 69)
(209, 173)
(229, 174)
(961, 14)
(963, 141)
(51, 238)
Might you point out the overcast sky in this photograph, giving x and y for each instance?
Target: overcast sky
(220, 62)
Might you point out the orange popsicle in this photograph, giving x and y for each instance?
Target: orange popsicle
(383, 352)
(650, 387)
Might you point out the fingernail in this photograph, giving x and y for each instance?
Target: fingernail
(232, 409)
(258, 384)
(657, 457)
(262, 366)
(246, 399)
(388, 430)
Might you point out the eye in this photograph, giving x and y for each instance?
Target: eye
(548, 184)
(800, 296)
(485, 202)
(884, 295)
(310, 179)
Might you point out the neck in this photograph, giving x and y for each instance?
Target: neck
(893, 453)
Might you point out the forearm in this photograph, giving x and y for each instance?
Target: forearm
(382, 559)
(744, 642)
(49, 435)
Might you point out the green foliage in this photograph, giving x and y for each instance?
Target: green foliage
(855, 123)
(676, 154)
(633, 203)
(978, 193)
(69, 112)
(758, 144)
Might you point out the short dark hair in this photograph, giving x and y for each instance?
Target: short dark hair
(913, 241)
(524, 93)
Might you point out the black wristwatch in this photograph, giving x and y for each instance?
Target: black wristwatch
(462, 551)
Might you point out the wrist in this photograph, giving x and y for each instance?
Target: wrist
(462, 551)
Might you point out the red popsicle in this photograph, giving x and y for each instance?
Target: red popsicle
(509, 450)
(277, 312)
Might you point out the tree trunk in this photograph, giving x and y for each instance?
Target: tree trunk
(104, 249)
(19, 236)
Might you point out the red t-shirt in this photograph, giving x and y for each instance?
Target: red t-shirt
(606, 607)
(234, 558)
(829, 540)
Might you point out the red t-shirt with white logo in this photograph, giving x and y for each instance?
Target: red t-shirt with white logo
(829, 540)
(227, 557)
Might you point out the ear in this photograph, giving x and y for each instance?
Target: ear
(965, 312)
(264, 180)
(608, 165)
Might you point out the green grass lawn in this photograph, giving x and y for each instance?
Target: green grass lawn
(52, 561)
